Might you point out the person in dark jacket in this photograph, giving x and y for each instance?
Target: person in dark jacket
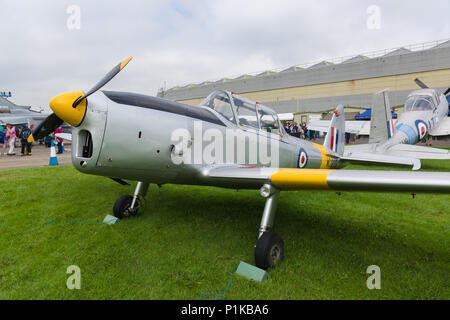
(26, 146)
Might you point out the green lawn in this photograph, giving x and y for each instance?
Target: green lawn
(189, 239)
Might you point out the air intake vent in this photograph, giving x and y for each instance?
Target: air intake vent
(84, 144)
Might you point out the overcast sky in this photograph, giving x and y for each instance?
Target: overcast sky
(176, 42)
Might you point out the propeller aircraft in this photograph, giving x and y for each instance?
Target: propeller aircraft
(223, 142)
(15, 114)
(425, 113)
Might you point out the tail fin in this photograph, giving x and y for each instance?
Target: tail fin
(381, 125)
(335, 138)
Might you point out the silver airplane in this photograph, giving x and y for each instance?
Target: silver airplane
(425, 113)
(224, 142)
(15, 114)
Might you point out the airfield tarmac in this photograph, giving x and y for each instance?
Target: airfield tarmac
(40, 157)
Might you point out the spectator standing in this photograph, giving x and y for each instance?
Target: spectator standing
(347, 138)
(2, 130)
(287, 128)
(429, 140)
(59, 141)
(11, 135)
(26, 146)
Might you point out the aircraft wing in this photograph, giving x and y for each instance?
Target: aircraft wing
(443, 129)
(65, 136)
(16, 120)
(401, 150)
(355, 127)
(324, 179)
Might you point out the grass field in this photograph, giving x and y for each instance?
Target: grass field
(189, 239)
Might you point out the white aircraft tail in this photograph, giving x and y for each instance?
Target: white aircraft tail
(381, 126)
(335, 138)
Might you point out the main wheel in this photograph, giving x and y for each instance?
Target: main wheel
(122, 207)
(269, 250)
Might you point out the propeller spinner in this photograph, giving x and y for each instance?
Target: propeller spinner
(71, 106)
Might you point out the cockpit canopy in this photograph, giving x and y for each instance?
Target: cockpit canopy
(419, 103)
(243, 112)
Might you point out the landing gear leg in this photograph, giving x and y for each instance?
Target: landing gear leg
(127, 206)
(269, 249)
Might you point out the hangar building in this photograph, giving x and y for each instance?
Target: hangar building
(311, 90)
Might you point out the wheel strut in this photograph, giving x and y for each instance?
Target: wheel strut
(141, 190)
(271, 194)
(269, 249)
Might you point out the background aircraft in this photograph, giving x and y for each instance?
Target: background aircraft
(112, 138)
(425, 113)
(14, 114)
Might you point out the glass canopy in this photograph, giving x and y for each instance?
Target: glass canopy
(419, 103)
(242, 111)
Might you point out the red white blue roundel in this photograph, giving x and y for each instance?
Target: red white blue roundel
(302, 158)
(422, 129)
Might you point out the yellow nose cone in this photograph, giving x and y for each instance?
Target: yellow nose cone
(62, 107)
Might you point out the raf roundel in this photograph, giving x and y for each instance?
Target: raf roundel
(422, 129)
(302, 158)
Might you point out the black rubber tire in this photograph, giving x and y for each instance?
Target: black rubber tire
(122, 205)
(269, 250)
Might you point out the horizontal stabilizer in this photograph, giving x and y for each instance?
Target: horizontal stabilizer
(355, 127)
(382, 159)
(418, 152)
(400, 150)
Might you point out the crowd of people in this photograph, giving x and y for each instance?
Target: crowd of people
(300, 131)
(12, 134)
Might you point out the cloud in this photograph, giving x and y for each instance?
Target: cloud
(178, 42)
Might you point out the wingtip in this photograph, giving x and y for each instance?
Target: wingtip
(125, 62)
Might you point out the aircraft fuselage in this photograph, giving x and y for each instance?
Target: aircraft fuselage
(137, 137)
(414, 125)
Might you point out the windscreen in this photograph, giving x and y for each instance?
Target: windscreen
(220, 102)
(419, 103)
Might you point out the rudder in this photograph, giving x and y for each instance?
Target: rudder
(335, 138)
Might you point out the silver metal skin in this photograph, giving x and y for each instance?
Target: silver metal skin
(270, 208)
(358, 180)
(267, 190)
(135, 143)
(141, 190)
